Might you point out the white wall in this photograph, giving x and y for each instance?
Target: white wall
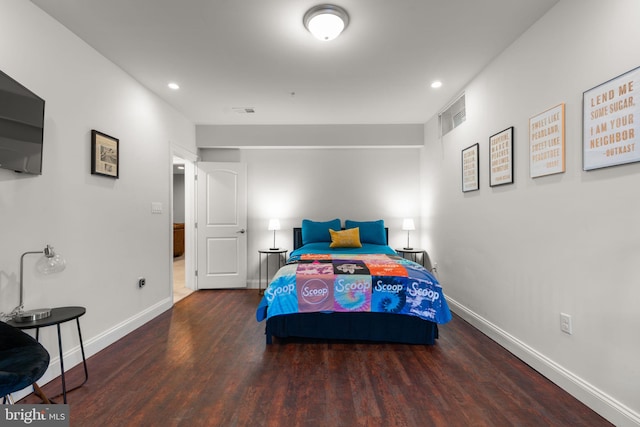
(178, 198)
(102, 226)
(511, 258)
(321, 184)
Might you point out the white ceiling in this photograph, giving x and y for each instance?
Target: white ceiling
(227, 54)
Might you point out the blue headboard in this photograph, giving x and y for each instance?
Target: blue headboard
(297, 236)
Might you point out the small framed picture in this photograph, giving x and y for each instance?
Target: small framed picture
(501, 158)
(105, 155)
(470, 169)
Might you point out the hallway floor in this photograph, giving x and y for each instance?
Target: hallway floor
(179, 289)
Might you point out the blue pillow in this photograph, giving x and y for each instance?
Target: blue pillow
(370, 231)
(315, 231)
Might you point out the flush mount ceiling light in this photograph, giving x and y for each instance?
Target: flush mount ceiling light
(326, 21)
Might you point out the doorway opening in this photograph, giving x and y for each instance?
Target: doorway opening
(181, 213)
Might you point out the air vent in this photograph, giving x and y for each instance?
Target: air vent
(452, 116)
(244, 110)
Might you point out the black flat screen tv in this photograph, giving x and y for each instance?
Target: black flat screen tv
(21, 127)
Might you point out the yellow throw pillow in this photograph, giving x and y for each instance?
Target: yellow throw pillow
(349, 238)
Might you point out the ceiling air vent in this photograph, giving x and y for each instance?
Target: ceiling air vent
(244, 110)
(452, 116)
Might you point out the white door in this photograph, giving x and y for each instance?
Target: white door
(221, 225)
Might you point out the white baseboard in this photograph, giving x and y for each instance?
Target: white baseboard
(605, 405)
(73, 356)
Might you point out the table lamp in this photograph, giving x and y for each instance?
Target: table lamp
(274, 224)
(408, 225)
(49, 263)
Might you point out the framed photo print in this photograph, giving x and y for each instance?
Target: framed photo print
(611, 122)
(105, 154)
(546, 142)
(470, 169)
(501, 158)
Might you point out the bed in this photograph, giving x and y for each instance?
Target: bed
(346, 283)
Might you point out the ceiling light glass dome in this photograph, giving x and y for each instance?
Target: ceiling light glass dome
(326, 21)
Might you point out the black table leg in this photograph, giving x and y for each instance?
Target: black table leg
(64, 384)
(84, 359)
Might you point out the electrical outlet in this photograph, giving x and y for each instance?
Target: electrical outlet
(565, 323)
(141, 282)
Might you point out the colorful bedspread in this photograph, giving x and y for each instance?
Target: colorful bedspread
(354, 283)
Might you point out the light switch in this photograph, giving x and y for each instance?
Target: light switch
(156, 207)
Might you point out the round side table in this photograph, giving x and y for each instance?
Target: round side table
(58, 316)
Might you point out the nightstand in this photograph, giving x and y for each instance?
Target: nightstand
(413, 254)
(267, 253)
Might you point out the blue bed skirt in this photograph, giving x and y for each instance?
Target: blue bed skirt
(379, 327)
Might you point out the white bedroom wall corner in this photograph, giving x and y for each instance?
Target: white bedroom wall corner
(293, 184)
(430, 161)
(552, 244)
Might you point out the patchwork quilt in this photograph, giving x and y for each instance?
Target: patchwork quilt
(354, 283)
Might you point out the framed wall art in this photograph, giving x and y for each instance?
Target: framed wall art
(611, 122)
(470, 168)
(546, 142)
(105, 155)
(501, 158)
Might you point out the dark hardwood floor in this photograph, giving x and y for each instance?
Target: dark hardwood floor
(205, 363)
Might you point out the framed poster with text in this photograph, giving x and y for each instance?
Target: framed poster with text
(546, 142)
(501, 158)
(611, 122)
(470, 169)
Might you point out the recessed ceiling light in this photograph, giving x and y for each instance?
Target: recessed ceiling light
(173, 86)
(436, 84)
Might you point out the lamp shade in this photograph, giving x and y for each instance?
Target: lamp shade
(51, 262)
(408, 224)
(326, 21)
(274, 224)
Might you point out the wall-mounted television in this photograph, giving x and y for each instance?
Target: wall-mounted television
(21, 127)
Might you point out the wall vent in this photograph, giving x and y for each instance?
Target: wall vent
(452, 116)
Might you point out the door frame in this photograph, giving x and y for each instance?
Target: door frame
(190, 160)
